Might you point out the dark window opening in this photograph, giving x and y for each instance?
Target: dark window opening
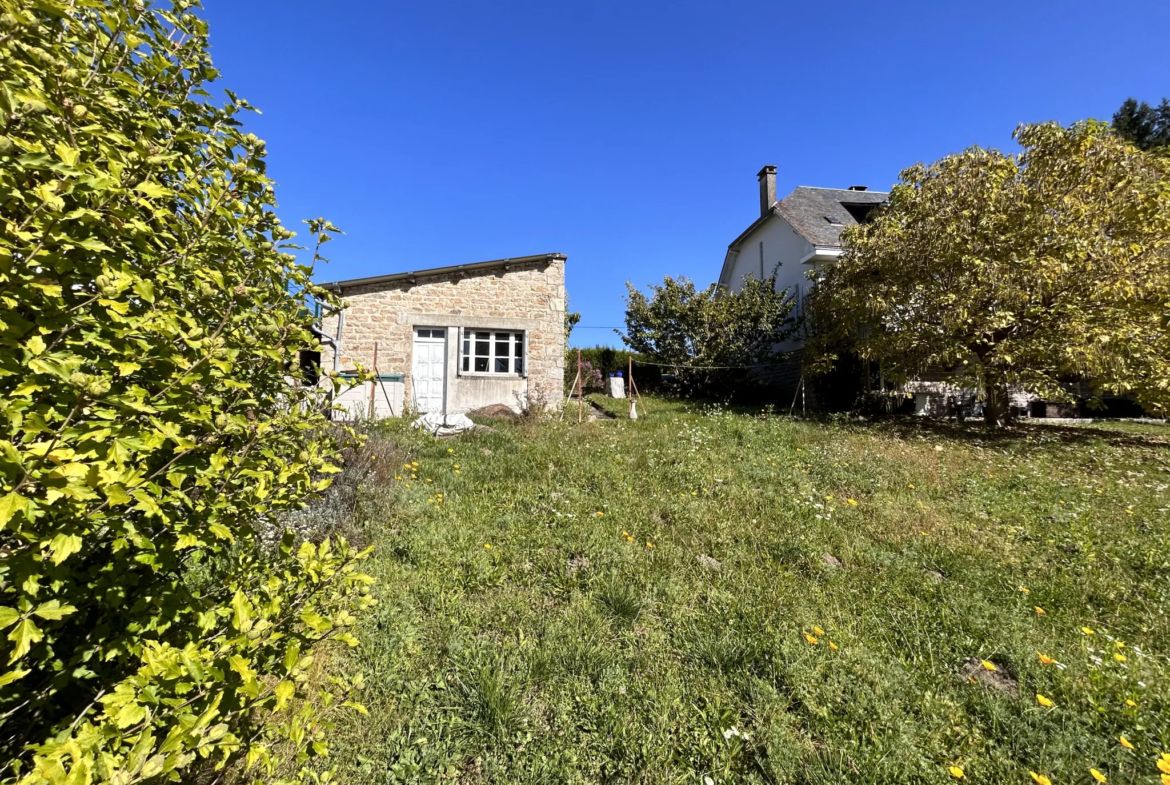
(860, 212)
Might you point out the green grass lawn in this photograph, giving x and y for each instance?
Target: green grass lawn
(545, 616)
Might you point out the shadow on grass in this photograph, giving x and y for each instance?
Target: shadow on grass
(1032, 434)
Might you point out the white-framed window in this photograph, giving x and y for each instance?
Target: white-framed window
(493, 351)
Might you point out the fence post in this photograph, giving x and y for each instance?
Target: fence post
(580, 394)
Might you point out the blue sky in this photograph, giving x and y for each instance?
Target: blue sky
(628, 135)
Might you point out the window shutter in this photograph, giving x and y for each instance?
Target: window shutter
(459, 354)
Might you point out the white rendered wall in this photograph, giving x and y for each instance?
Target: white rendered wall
(783, 246)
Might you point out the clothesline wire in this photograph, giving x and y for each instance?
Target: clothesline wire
(697, 367)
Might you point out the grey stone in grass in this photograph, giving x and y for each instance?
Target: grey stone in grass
(709, 563)
(973, 671)
(832, 561)
(576, 564)
(934, 575)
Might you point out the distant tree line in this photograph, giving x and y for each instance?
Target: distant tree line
(1146, 127)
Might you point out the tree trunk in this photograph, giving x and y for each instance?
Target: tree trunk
(996, 403)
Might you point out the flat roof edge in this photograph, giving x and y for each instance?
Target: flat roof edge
(432, 271)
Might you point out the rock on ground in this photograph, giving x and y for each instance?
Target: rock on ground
(576, 564)
(996, 680)
(709, 563)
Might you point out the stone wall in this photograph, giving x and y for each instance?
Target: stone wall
(528, 296)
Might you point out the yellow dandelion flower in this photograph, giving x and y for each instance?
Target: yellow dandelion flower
(1043, 701)
(1098, 775)
(990, 666)
(450, 450)
(1125, 742)
(956, 772)
(818, 631)
(1130, 703)
(832, 646)
(487, 546)
(811, 639)
(1040, 611)
(1129, 512)
(408, 485)
(1025, 590)
(1045, 659)
(1040, 779)
(851, 502)
(599, 513)
(1119, 657)
(406, 466)
(1088, 631)
(911, 485)
(1164, 764)
(649, 545)
(398, 478)
(1166, 779)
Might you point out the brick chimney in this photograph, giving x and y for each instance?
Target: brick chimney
(767, 177)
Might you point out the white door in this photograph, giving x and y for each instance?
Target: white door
(429, 377)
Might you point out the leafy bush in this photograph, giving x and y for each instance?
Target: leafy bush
(151, 420)
(713, 338)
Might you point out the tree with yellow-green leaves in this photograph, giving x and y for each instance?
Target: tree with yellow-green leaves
(152, 428)
(1030, 270)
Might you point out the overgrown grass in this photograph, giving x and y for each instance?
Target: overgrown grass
(545, 616)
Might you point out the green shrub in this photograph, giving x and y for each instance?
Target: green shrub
(712, 341)
(151, 425)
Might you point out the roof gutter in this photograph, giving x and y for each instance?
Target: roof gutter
(822, 253)
(338, 286)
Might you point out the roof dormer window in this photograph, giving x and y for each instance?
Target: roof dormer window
(833, 221)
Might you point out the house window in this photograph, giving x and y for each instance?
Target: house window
(860, 212)
(491, 351)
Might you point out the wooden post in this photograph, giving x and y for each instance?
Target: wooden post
(580, 394)
(630, 386)
(374, 383)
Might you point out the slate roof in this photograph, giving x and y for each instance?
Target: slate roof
(808, 209)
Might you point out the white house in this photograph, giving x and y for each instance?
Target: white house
(800, 234)
(795, 235)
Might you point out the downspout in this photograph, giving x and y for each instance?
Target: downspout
(337, 340)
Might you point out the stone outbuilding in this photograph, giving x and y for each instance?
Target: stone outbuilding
(452, 339)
